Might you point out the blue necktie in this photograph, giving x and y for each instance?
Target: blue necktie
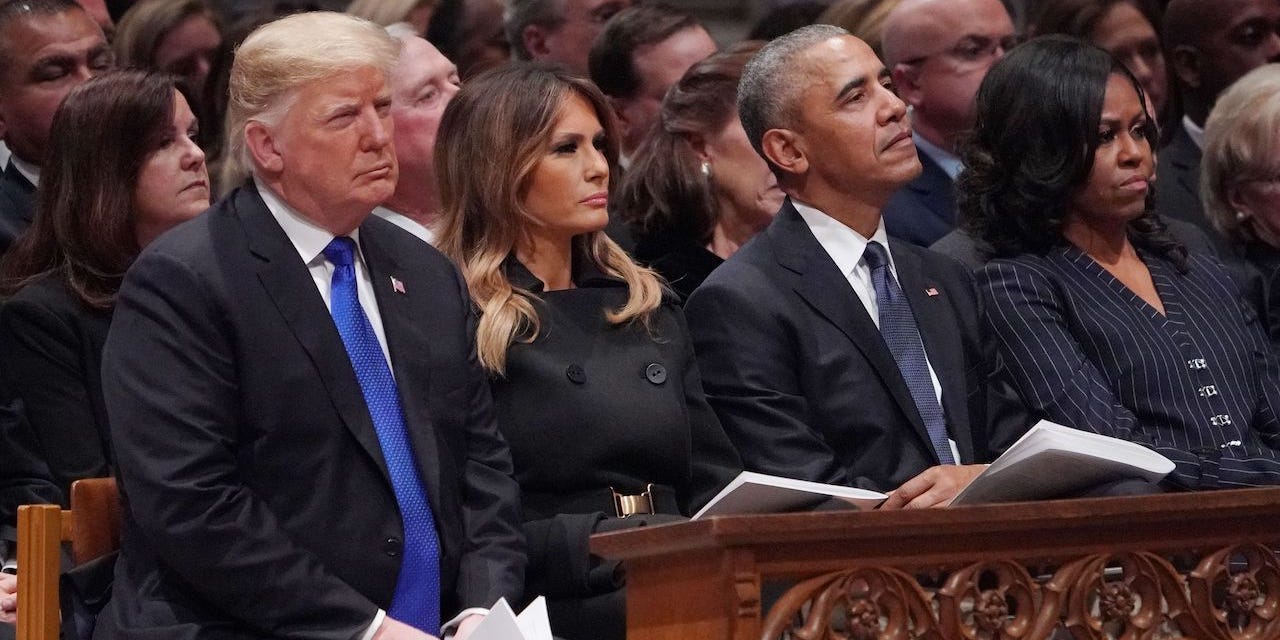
(417, 596)
(898, 328)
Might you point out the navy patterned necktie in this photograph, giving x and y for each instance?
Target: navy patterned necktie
(417, 596)
(900, 333)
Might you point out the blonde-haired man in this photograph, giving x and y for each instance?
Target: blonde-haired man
(305, 439)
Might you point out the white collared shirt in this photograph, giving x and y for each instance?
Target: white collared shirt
(423, 232)
(1194, 132)
(310, 240)
(949, 162)
(846, 246)
(29, 171)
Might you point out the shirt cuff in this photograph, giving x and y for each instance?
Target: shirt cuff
(373, 628)
(447, 629)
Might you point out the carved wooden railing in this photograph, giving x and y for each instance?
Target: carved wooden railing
(1177, 566)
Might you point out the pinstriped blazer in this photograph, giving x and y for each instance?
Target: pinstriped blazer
(1198, 384)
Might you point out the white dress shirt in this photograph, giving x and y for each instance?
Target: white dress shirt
(29, 171)
(846, 246)
(950, 163)
(423, 232)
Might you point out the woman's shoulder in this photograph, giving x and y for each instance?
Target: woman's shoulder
(48, 292)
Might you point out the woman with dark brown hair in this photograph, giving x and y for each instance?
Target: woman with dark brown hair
(174, 36)
(696, 189)
(594, 382)
(122, 168)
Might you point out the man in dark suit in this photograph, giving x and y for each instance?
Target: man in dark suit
(49, 47)
(831, 352)
(1209, 45)
(938, 52)
(304, 434)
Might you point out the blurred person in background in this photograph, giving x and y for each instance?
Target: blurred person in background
(176, 36)
(1240, 180)
(697, 190)
(417, 13)
(558, 30)
(861, 18)
(938, 52)
(1124, 28)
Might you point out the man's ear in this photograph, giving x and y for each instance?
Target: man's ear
(785, 149)
(263, 147)
(535, 41)
(620, 115)
(906, 80)
(1187, 64)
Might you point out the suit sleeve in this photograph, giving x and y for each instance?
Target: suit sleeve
(170, 382)
(749, 365)
(1057, 380)
(715, 462)
(493, 563)
(43, 366)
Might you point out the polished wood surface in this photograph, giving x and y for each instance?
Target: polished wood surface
(92, 527)
(1177, 565)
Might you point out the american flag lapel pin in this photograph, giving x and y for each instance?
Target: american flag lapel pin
(396, 285)
(931, 291)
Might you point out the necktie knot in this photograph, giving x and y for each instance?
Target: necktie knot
(341, 251)
(875, 255)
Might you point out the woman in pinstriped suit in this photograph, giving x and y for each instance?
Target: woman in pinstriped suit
(1106, 322)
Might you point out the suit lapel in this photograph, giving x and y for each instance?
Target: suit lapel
(1186, 160)
(820, 283)
(23, 191)
(935, 320)
(401, 300)
(289, 285)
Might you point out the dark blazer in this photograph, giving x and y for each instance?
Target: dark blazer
(925, 209)
(51, 359)
(803, 381)
(589, 406)
(17, 205)
(1178, 186)
(1198, 384)
(257, 499)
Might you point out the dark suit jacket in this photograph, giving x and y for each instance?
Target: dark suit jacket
(925, 209)
(258, 501)
(17, 205)
(804, 383)
(51, 359)
(1178, 186)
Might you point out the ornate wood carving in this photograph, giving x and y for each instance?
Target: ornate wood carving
(1229, 594)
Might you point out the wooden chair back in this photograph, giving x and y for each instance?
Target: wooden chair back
(92, 526)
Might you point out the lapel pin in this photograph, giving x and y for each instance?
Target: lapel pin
(396, 285)
(931, 291)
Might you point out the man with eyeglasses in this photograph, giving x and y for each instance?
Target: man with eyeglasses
(558, 30)
(938, 52)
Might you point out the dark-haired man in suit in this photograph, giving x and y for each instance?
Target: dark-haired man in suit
(303, 432)
(49, 47)
(831, 352)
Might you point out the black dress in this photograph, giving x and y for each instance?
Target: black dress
(679, 259)
(589, 406)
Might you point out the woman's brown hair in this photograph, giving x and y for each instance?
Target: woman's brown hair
(84, 224)
(492, 135)
(665, 189)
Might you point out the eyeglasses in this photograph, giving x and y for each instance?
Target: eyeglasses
(972, 49)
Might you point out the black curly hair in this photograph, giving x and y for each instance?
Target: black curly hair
(1033, 145)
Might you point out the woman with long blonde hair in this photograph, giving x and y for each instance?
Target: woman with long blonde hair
(594, 382)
